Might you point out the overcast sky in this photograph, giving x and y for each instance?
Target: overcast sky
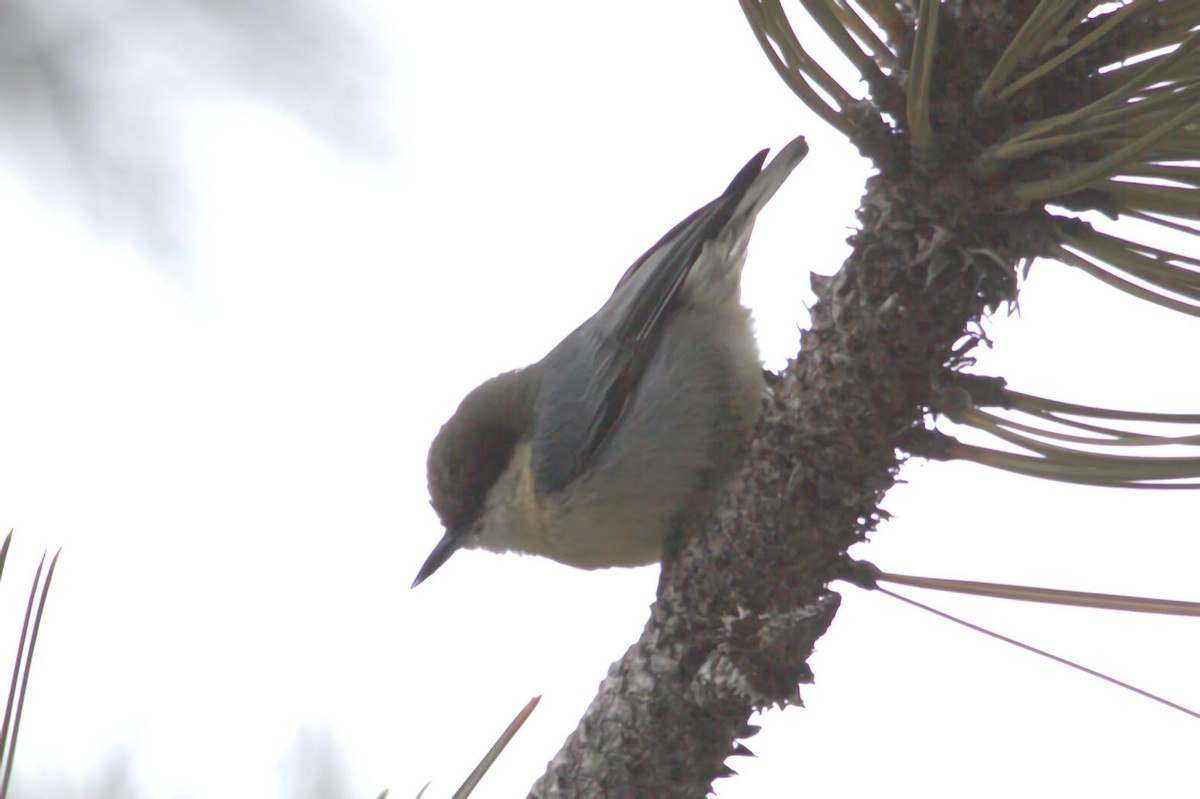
(232, 455)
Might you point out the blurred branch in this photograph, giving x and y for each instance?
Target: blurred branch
(92, 93)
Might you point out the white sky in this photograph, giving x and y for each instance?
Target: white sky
(234, 462)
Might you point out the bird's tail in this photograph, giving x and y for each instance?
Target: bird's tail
(764, 185)
(717, 273)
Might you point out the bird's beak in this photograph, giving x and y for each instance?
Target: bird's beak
(449, 544)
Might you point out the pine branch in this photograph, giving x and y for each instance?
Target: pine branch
(997, 110)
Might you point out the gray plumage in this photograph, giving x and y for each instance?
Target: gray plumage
(589, 455)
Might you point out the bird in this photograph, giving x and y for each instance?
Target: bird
(592, 455)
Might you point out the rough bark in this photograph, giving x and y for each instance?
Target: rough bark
(743, 600)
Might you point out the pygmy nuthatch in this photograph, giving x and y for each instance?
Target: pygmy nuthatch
(636, 418)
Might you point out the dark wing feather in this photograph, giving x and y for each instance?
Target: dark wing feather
(577, 409)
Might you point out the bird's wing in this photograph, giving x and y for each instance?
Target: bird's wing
(590, 377)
